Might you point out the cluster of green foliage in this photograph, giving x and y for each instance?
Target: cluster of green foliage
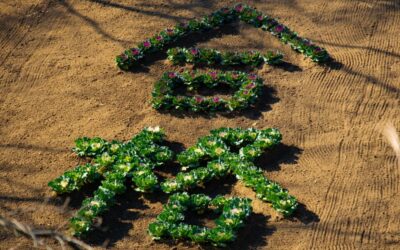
(203, 56)
(217, 152)
(170, 222)
(256, 18)
(245, 13)
(248, 88)
(113, 162)
(225, 151)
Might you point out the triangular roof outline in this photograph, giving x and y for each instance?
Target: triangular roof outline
(164, 39)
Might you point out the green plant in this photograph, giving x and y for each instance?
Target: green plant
(217, 150)
(164, 39)
(113, 162)
(202, 56)
(225, 151)
(248, 87)
(170, 222)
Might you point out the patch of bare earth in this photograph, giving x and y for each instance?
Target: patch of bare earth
(58, 81)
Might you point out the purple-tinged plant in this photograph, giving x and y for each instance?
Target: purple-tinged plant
(147, 44)
(215, 20)
(164, 96)
(201, 56)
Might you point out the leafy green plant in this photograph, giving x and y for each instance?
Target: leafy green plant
(202, 56)
(113, 162)
(225, 151)
(248, 87)
(132, 57)
(170, 222)
(217, 150)
(254, 17)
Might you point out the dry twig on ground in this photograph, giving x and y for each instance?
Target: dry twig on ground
(37, 235)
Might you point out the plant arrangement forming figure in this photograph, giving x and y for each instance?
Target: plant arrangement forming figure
(225, 151)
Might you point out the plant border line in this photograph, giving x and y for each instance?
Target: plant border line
(210, 57)
(248, 90)
(170, 222)
(131, 57)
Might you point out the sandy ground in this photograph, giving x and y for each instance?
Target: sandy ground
(58, 81)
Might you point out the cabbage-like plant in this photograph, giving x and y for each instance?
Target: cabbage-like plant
(170, 222)
(218, 150)
(113, 162)
(203, 56)
(164, 39)
(247, 88)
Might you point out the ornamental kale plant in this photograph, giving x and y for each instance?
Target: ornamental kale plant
(164, 39)
(213, 157)
(170, 222)
(113, 162)
(201, 56)
(247, 87)
(225, 151)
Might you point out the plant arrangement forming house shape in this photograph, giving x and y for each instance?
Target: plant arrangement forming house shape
(247, 91)
(245, 13)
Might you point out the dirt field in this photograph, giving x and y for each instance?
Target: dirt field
(58, 81)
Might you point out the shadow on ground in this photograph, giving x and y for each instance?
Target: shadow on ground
(281, 154)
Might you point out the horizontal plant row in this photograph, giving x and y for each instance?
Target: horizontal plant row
(113, 162)
(170, 222)
(247, 88)
(249, 143)
(210, 57)
(245, 13)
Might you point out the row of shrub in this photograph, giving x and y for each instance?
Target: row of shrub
(131, 57)
(247, 88)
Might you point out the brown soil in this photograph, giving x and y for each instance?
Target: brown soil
(58, 81)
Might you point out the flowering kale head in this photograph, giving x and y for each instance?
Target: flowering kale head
(252, 77)
(194, 51)
(239, 7)
(199, 99)
(171, 75)
(135, 51)
(279, 28)
(147, 44)
(250, 85)
(213, 74)
(216, 99)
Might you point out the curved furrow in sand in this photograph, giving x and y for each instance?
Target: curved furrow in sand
(15, 29)
(17, 45)
(344, 171)
(330, 229)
